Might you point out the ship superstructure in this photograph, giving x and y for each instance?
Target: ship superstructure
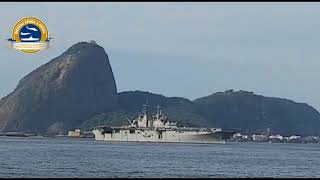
(158, 128)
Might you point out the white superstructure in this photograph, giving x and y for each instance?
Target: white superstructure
(158, 128)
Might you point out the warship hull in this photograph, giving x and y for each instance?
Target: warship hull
(159, 129)
(158, 136)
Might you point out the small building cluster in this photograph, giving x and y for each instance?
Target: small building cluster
(75, 133)
(238, 137)
(80, 134)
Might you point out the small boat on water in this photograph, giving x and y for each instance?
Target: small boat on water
(14, 134)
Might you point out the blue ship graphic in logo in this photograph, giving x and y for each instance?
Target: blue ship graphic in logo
(30, 33)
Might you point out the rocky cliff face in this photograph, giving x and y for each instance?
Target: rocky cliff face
(62, 93)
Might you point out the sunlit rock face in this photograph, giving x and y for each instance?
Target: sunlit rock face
(62, 93)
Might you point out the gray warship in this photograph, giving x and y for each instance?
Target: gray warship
(159, 129)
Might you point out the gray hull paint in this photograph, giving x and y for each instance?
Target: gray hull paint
(159, 136)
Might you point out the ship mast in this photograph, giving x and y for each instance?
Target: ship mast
(159, 110)
(262, 116)
(145, 107)
(145, 115)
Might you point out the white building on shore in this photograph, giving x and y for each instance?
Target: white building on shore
(259, 137)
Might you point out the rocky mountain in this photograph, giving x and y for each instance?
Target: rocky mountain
(255, 113)
(77, 90)
(62, 93)
(239, 110)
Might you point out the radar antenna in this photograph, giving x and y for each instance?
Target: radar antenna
(145, 106)
(129, 120)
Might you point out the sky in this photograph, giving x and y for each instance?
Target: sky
(182, 49)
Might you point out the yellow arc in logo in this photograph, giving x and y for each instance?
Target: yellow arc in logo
(33, 45)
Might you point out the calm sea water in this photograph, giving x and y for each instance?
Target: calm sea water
(65, 157)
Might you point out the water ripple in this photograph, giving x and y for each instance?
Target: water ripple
(63, 157)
